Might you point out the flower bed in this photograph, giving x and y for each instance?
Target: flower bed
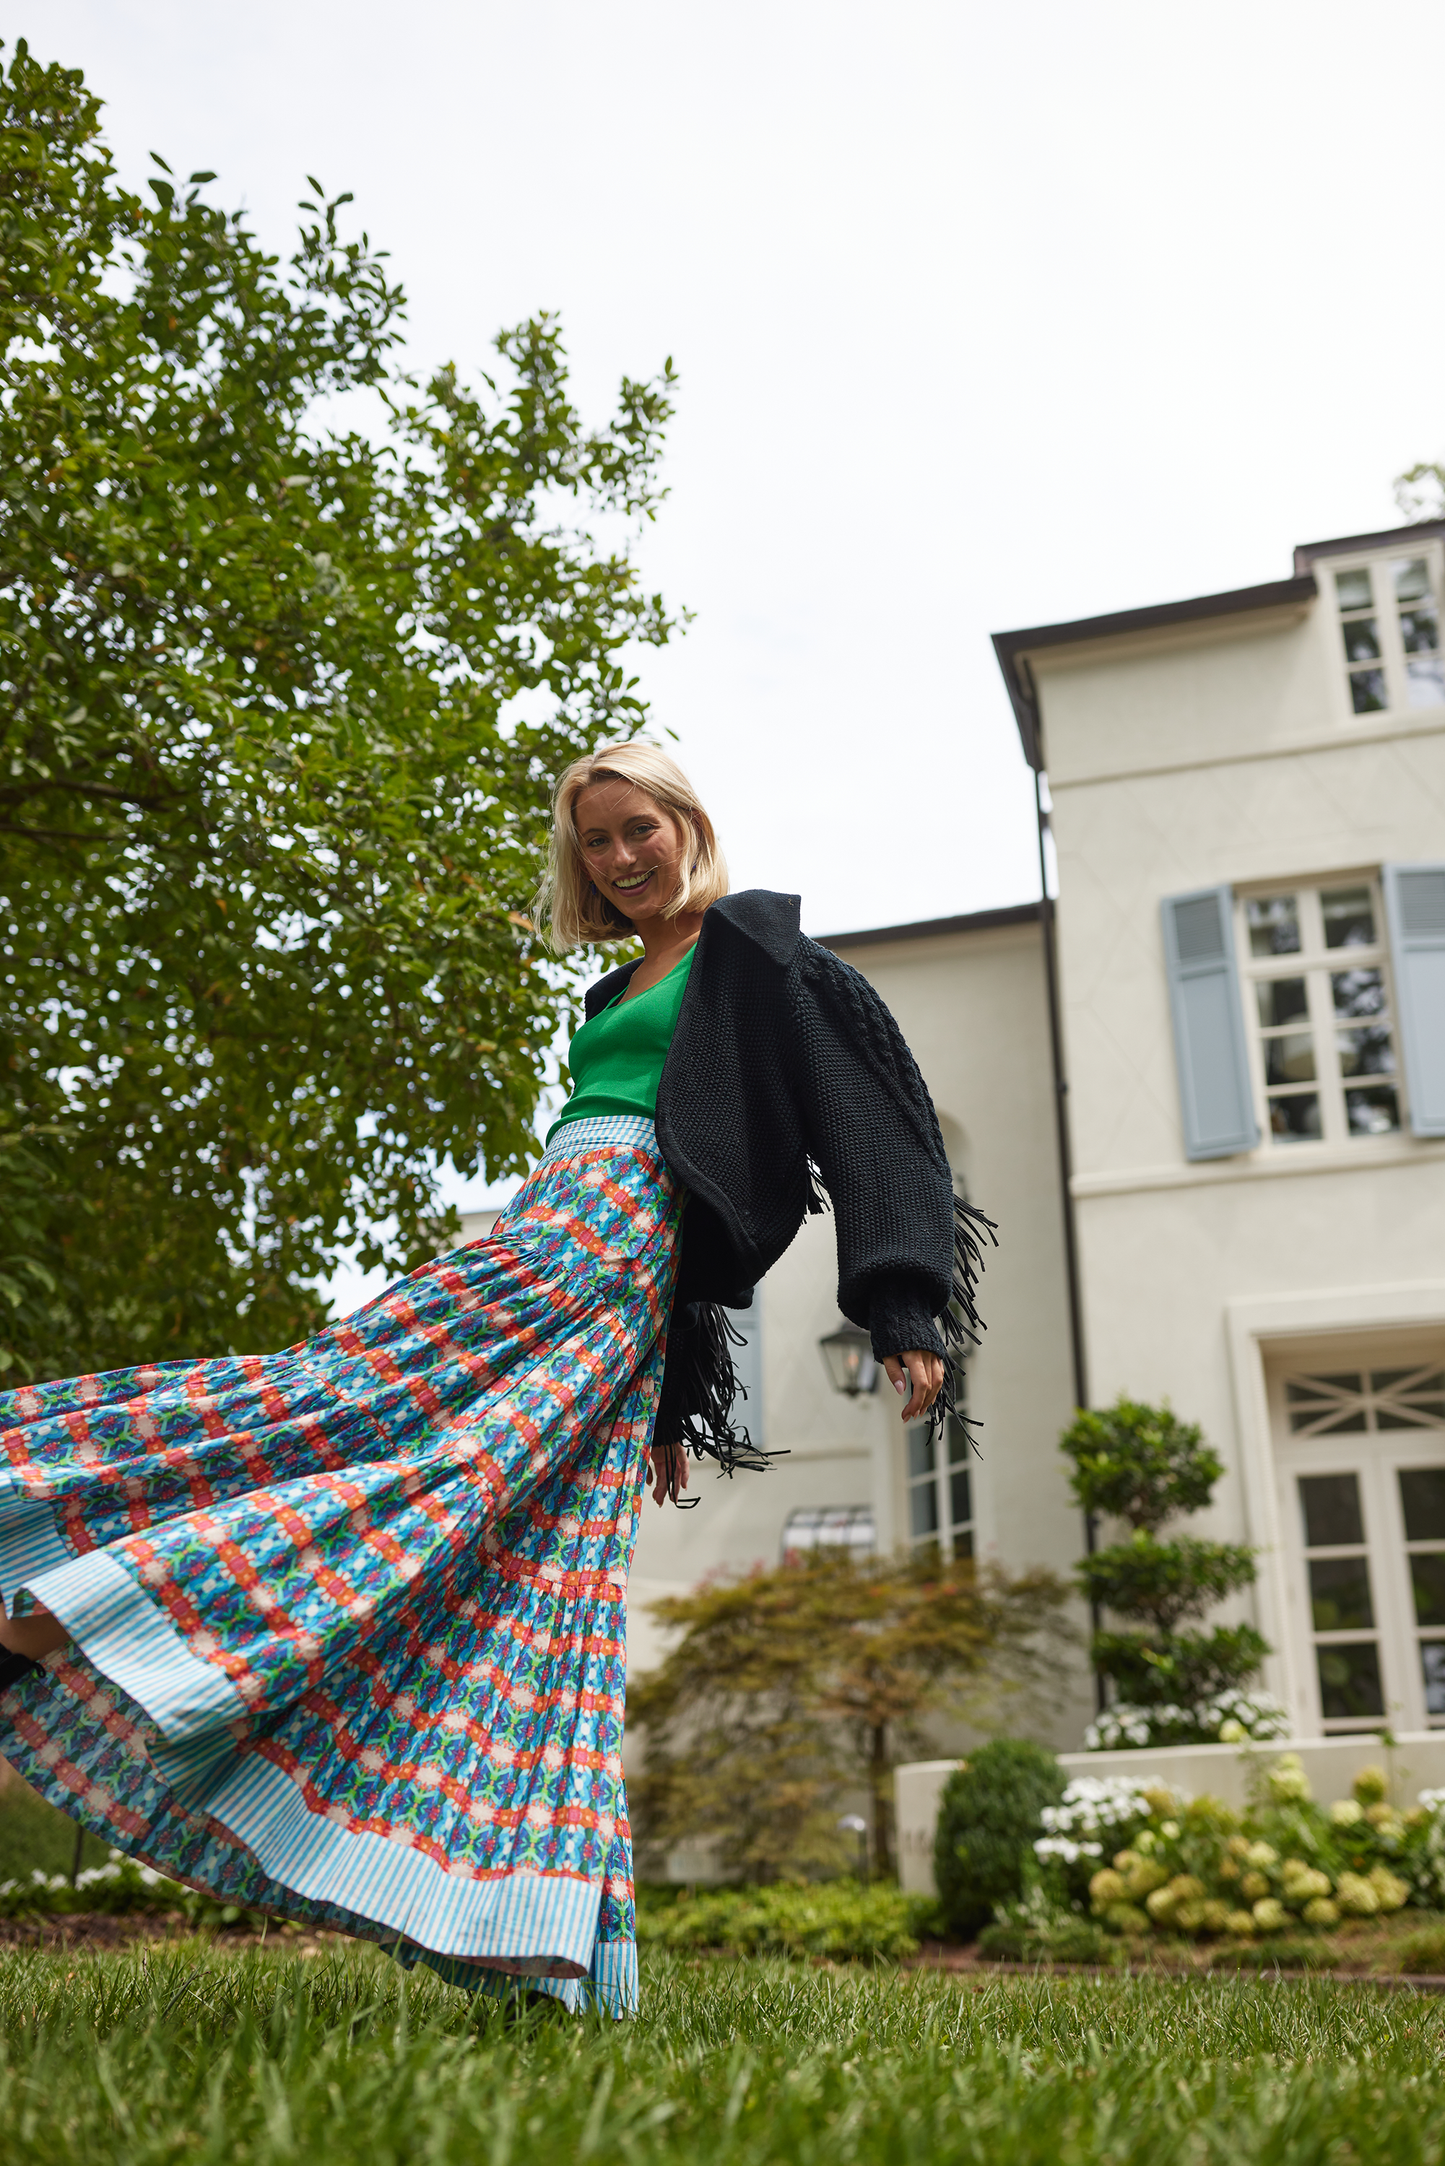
(1143, 1860)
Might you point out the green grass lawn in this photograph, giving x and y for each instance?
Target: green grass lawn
(189, 2055)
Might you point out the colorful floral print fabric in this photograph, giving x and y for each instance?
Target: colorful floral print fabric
(349, 1621)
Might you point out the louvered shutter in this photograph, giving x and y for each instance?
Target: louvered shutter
(1415, 908)
(1214, 1092)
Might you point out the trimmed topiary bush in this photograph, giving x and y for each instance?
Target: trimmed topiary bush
(991, 1811)
(1172, 1685)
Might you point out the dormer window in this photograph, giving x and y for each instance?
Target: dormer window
(1390, 625)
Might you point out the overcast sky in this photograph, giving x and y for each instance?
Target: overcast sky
(985, 316)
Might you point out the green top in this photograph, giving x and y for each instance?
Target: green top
(616, 1058)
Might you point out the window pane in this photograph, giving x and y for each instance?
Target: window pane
(1353, 588)
(1367, 691)
(1374, 1112)
(1296, 1119)
(1358, 992)
(1320, 1387)
(963, 1544)
(1280, 1000)
(1362, 640)
(1427, 1576)
(1273, 925)
(1425, 680)
(1422, 1498)
(920, 1451)
(1350, 1681)
(1331, 1507)
(1349, 914)
(959, 1447)
(1392, 1379)
(1412, 579)
(1420, 629)
(1290, 1059)
(1414, 1414)
(960, 1497)
(1432, 1664)
(922, 1510)
(1340, 1594)
(1366, 1052)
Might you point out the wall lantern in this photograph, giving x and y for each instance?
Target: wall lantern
(848, 1354)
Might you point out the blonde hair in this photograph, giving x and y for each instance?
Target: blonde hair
(568, 907)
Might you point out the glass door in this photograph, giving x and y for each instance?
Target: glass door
(1361, 1468)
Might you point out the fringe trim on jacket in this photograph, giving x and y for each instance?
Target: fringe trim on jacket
(700, 1387)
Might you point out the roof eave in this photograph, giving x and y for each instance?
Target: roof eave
(1013, 649)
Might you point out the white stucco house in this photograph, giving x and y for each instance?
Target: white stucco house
(1204, 1098)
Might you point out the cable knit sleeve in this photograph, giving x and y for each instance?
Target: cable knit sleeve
(874, 1138)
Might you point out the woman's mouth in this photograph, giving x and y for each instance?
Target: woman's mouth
(634, 882)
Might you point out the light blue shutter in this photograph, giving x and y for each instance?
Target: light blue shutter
(1415, 908)
(1214, 1092)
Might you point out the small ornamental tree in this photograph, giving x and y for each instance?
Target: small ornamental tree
(788, 1689)
(1172, 1683)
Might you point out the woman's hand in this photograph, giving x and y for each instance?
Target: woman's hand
(924, 1372)
(667, 1472)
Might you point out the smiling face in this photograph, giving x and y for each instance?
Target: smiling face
(632, 850)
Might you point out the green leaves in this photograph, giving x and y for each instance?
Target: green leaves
(282, 707)
(1143, 1465)
(1165, 1581)
(1139, 1463)
(789, 1686)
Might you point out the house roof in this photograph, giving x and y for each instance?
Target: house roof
(1014, 648)
(974, 921)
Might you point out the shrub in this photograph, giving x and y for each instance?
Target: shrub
(836, 1918)
(1142, 1857)
(1269, 1955)
(1232, 1718)
(120, 1888)
(1024, 1939)
(1423, 1953)
(991, 1808)
(1142, 1465)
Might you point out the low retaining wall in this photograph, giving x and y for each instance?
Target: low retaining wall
(1414, 1762)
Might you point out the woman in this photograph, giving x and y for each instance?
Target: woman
(340, 1631)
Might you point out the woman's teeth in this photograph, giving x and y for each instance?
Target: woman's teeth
(626, 887)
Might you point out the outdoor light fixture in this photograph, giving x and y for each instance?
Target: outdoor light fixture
(848, 1353)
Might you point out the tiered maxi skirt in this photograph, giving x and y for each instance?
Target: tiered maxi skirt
(348, 1622)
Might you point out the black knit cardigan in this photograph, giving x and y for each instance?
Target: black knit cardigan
(786, 1068)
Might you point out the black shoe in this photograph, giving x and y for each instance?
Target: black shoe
(13, 1668)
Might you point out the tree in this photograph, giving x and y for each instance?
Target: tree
(1420, 490)
(790, 1687)
(283, 700)
(1143, 1465)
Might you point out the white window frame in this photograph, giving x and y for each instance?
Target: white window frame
(1316, 963)
(1376, 1457)
(952, 1454)
(850, 1527)
(1379, 564)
